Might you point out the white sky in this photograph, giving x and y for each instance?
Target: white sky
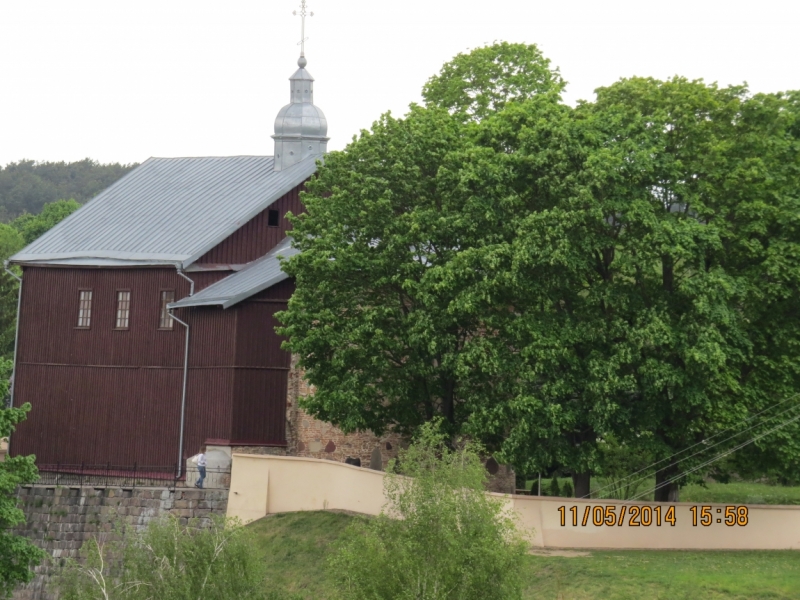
(121, 81)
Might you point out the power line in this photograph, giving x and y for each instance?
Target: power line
(720, 456)
(648, 467)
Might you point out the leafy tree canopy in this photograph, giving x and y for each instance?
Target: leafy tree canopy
(27, 185)
(548, 276)
(478, 83)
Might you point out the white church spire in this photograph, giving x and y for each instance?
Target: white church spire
(300, 127)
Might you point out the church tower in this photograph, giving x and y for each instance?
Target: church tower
(300, 127)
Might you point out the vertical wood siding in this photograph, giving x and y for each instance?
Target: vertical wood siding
(102, 395)
(255, 238)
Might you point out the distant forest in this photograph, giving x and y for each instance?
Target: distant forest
(26, 186)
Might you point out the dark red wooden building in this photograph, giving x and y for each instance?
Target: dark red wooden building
(99, 356)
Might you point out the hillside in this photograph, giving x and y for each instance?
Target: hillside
(27, 185)
(297, 545)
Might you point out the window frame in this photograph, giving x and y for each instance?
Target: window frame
(91, 301)
(163, 306)
(277, 217)
(116, 309)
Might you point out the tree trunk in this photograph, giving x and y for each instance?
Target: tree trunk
(667, 492)
(581, 482)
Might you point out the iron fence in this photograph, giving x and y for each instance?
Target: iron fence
(128, 476)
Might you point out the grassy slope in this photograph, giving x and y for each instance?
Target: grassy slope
(297, 544)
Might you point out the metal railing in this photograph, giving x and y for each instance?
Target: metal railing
(127, 476)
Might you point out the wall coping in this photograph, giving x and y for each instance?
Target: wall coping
(311, 460)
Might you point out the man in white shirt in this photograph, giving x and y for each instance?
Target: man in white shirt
(201, 467)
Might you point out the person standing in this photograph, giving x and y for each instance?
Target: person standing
(201, 467)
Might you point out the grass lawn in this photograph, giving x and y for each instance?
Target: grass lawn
(297, 544)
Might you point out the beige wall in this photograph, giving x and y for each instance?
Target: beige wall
(262, 485)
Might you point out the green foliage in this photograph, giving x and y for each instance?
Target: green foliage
(26, 186)
(481, 82)
(372, 318)
(625, 470)
(439, 537)
(554, 490)
(546, 277)
(33, 226)
(17, 554)
(170, 561)
(567, 491)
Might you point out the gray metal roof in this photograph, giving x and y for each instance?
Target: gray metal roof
(255, 277)
(167, 211)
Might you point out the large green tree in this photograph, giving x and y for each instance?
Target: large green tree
(657, 299)
(545, 277)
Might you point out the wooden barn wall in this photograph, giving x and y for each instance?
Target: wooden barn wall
(100, 395)
(262, 374)
(255, 238)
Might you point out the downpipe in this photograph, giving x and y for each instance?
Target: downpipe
(180, 272)
(183, 394)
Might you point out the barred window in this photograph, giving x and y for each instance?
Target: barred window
(165, 320)
(123, 309)
(84, 308)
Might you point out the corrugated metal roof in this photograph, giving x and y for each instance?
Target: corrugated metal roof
(167, 210)
(255, 277)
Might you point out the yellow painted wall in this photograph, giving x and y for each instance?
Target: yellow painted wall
(262, 485)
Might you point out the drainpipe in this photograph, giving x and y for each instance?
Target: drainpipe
(191, 283)
(185, 369)
(16, 342)
(183, 394)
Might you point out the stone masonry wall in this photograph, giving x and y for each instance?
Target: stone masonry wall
(61, 519)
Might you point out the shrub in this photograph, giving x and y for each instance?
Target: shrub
(554, 491)
(439, 537)
(170, 561)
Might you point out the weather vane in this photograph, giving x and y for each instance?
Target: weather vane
(303, 13)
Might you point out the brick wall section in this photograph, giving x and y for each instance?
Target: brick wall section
(60, 519)
(307, 436)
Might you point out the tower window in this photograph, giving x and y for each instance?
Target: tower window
(85, 308)
(272, 218)
(123, 309)
(165, 321)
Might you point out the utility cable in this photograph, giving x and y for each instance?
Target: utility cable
(720, 456)
(703, 441)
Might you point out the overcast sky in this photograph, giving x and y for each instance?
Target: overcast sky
(121, 81)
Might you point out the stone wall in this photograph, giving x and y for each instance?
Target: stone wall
(307, 436)
(61, 519)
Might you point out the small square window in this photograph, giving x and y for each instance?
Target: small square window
(123, 309)
(85, 308)
(165, 320)
(272, 218)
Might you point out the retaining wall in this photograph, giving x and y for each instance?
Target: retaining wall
(262, 485)
(61, 519)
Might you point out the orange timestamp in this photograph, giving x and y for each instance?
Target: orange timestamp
(645, 516)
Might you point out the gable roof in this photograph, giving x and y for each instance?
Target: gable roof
(167, 211)
(255, 277)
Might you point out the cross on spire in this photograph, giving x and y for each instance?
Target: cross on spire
(303, 13)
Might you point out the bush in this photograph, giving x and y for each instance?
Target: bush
(170, 561)
(554, 491)
(439, 537)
